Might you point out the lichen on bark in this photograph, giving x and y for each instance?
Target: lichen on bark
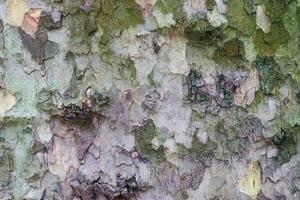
(149, 99)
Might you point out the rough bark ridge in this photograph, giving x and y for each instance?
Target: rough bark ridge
(149, 99)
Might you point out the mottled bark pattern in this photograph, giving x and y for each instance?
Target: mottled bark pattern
(149, 99)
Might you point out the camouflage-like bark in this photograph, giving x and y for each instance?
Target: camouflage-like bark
(149, 99)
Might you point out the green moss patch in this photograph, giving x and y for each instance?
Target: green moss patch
(287, 141)
(239, 18)
(171, 6)
(232, 52)
(143, 136)
(201, 32)
(269, 75)
(266, 44)
(198, 150)
(116, 15)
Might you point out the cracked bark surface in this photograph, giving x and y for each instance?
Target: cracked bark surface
(149, 99)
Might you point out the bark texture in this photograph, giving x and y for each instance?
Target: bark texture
(149, 99)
